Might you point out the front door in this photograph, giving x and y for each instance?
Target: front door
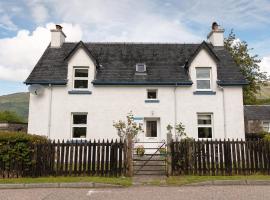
(151, 129)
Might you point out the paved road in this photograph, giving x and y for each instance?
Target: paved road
(149, 193)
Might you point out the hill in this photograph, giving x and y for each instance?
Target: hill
(265, 92)
(17, 102)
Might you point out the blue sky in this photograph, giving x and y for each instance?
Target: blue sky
(25, 27)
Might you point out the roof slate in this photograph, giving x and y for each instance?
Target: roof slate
(261, 112)
(165, 64)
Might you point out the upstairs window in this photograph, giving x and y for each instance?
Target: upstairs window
(141, 67)
(266, 126)
(80, 78)
(203, 78)
(205, 125)
(79, 125)
(151, 94)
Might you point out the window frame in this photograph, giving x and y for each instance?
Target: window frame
(80, 78)
(137, 64)
(205, 125)
(78, 125)
(151, 120)
(204, 79)
(266, 121)
(151, 90)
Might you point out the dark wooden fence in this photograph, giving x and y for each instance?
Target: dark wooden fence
(88, 158)
(220, 157)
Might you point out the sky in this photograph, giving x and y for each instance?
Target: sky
(25, 27)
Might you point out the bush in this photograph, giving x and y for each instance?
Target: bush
(16, 150)
(8, 116)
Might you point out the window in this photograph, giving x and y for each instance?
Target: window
(205, 129)
(151, 94)
(80, 78)
(140, 67)
(151, 128)
(79, 125)
(266, 126)
(203, 78)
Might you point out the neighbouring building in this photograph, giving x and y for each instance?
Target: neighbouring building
(13, 126)
(257, 119)
(80, 88)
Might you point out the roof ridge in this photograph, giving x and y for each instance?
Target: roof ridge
(128, 43)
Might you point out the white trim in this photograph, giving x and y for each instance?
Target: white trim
(78, 125)
(143, 64)
(205, 125)
(151, 90)
(268, 122)
(204, 79)
(80, 78)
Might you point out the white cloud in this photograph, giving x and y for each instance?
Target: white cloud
(38, 11)
(7, 23)
(265, 65)
(19, 54)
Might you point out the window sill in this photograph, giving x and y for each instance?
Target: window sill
(79, 92)
(204, 93)
(151, 101)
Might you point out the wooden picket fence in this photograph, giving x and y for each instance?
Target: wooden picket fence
(76, 158)
(220, 157)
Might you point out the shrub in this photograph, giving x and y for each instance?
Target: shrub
(16, 150)
(8, 116)
(140, 150)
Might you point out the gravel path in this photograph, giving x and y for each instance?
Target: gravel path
(148, 192)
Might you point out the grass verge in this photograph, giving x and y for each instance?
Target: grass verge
(123, 181)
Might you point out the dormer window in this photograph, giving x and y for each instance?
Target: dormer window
(141, 67)
(203, 78)
(80, 78)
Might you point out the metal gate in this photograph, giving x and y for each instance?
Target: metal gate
(149, 160)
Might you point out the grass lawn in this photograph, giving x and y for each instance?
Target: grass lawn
(183, 180)
(124, 181)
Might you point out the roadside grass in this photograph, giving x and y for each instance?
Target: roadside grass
(184, 180)
(123, 181)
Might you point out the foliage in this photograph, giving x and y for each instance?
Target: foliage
(162, 151)
(8, 116)
(180, 131)
(128, 128)
(248, 65)
(266, 137)
(15, 148)
(140, 151)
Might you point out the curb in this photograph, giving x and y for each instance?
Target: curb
(58, 185)
(230, 182)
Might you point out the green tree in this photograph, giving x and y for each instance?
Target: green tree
(249, 66)
(7, 116)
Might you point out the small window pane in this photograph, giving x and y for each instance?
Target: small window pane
(79, 132)
(203, 73)
(81, 72)
(79, 119)
(81, 84)
(205, 132)
(203, 84)
(152, 94)
(141, 67)
(204, 119)
(151, 129)
(266, 126)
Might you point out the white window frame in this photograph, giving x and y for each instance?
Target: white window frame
(266, 121)
(140, 64)
(204, 79)
(78, 125)
(80, 78)
(151, 90)
(205, 125)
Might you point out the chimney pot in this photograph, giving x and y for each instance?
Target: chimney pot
(58, 27)
(57, 36)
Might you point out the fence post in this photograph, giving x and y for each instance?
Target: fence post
(129, 156)
(169, 154)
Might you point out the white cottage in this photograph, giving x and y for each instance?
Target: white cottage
(87, 86)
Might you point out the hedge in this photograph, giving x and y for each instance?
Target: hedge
(16, 151)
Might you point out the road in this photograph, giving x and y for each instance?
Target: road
(132, 193)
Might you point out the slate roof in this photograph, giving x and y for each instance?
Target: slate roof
(166, 64)
(261, 112)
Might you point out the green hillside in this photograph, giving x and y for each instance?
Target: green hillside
(17, 102)
(265, 92)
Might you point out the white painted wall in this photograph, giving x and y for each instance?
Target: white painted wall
(111, 103)
(217, 38)
(57, 38)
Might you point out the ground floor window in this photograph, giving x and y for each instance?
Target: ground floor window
(266, 126)
(79, 125)
(205, 126)
(151, 128)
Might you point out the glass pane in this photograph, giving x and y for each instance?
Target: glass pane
(151, 129)
(203, 84)
(205, 132)
(204, 119)
(79, 119)
(152, 94)
(81, 72)
(81, 84)
(203, 72)
(79, 132)
(266, 126)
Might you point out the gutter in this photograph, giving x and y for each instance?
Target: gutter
(185, 83)
(224, 113)
(50, 112)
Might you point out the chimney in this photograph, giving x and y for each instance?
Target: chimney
(216, 36)
(57, 36)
